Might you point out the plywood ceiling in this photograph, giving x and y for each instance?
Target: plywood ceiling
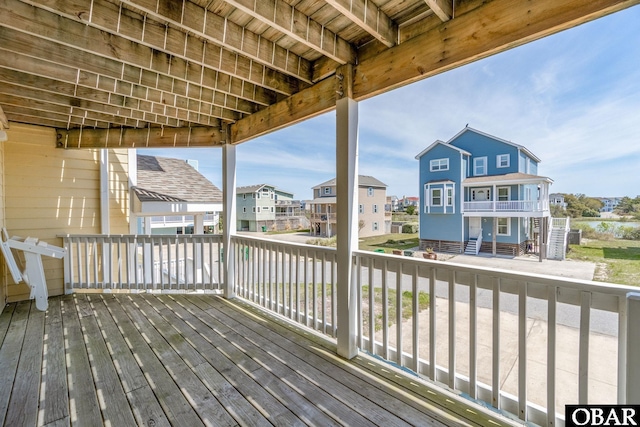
(135, 73)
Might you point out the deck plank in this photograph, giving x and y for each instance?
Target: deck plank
(160, 334)
(326, 373)
(174, 404)
(23, 405)
(10, 354)
(339, 410)
(5, 320)
(144, 404)
(54, 398)
(113, 402)
(234, 368)
(84, 408)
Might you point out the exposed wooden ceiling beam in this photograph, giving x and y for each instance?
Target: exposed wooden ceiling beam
(369, 17)
(442, 8)
(119, 34)
(290, 21)
(487, 29)
(220, 31)
(141, 138)
(490, 28)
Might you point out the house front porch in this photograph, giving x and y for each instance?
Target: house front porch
(156, 360)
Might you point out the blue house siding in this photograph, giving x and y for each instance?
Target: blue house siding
(483, 146)
(439, 225)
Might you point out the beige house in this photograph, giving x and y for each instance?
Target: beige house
(373, 218)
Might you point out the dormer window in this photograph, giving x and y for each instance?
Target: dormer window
(502, 161)
(439, 165)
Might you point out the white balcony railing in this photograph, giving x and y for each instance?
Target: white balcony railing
(474, 333)
(507, 206)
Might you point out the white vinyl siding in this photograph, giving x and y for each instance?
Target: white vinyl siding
(439, 165)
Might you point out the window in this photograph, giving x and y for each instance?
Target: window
(253, 209)
(272, 209)
(253, 196)
(439, 165)
(436, 197)
(375, 208)
(375, 226)
(361, 209)
(370, 191)
(502, 161)
(327, 190)
(244, 210)
(504, 193)
(258, 209)
(449, 196)
(504, 227)
(480, 166)
(244, 197)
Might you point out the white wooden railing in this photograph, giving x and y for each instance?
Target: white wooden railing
(507, 206)
(296, 281)
(143, 263)
(474, 317)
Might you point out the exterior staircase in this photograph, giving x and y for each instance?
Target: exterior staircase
(557, 242)
(471, 248)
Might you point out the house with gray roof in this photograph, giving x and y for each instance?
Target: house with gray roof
(373, 218)
(258, 206)
(172, 197)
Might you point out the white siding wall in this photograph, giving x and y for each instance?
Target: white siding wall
(50, 191)
(3, 265)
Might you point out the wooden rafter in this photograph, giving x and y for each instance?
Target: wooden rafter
(140, 138)
(290, 21)
(369, 17)
(442, 8)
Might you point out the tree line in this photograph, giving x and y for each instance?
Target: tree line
(580, 205)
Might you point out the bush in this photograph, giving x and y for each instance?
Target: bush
(410, 228)
(629, 233)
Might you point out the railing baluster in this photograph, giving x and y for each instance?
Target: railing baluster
(552, 295)
(495, 371)
(323, 290)
(415, 333)
(290, 299)
(334, 300)
(314, 294)
(94, 247)
(583, 361)
(372, 323)
(297, 282)
(385, 312)
(432, 323)
(473, 338)
(360, 324)
(119, 251)
(522, 351)
(86, 262)
(452, 329)
(161, 261)
(399, 314)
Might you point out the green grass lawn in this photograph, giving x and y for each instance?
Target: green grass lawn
(622, 258)
(388, 242)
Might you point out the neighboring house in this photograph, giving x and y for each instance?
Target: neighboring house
(481, 193)
(609, 203)
(172, 197)
(257, 206)
(373, 219)
(557, 199)
(405, 202)
(393, 201)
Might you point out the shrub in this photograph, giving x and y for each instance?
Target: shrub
(410, 227)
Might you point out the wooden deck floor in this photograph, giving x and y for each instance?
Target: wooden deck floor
(189, 360)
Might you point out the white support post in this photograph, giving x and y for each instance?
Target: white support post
(104, 191)
(229, 216)
(198, 228)
(347, 215)
(633, 348)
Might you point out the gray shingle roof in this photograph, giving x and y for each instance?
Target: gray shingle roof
(363, 181)
(162, 179)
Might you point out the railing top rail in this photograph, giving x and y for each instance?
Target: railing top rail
(144, 236)
(282, 243)
(542, 279)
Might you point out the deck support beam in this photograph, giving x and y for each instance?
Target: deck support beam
(229, 216)
(347, 214)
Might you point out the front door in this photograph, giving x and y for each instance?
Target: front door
(475, 227)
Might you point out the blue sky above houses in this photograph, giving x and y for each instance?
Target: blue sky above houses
(573, 99)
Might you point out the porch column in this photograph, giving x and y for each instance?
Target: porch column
(229, 216)
(346, 211)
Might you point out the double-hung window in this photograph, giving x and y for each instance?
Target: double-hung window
(503, 193)
(361, 209)
(375, 208)
(370, 191)
(436, 197)
(479, 166)
(449, 196)
(438, 165)
(502, 161)
(504, 226)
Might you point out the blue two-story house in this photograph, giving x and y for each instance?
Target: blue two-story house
(480, 193)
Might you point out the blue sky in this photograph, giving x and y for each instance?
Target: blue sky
(573, 99)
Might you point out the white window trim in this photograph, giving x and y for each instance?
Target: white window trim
(327, 190)
(253, 210)
(375, 226)
(437, 165)
(370, 191)
(433, 190)
(375, 208)
(499, 158)
(476, 163)
(498, 194)
(244, 210)
(508, 233)
(449, 197)
(361, 209)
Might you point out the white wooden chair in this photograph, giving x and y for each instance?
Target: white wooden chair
(32, 273)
